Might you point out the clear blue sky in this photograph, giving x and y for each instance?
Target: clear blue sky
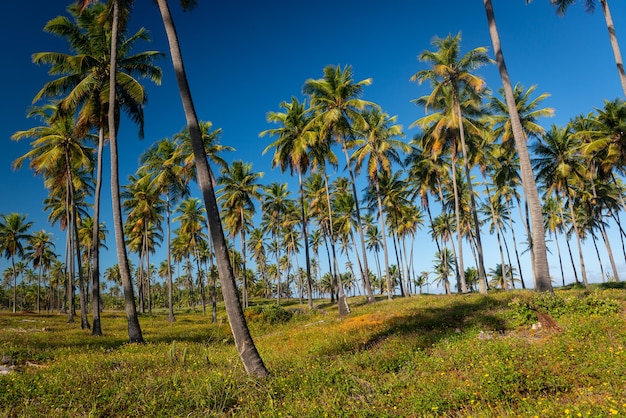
(243, 58)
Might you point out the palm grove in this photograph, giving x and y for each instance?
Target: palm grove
(481, 164)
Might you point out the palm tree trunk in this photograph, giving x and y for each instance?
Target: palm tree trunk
(583, 270)
(605, 238)
(305, 233)
(614, 44)
(542, 278)
(482, 277)
(95, 272)
(558, 251)
(365, 273)
(170, 302)
(459, 237)
(381, 220)
(243, 340)
(134, 330)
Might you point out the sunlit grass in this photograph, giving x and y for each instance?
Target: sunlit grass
(468, 355)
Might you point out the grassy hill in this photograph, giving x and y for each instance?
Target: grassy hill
(427, 355)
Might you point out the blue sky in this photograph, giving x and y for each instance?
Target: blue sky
(243, 58)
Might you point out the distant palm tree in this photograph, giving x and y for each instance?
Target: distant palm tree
(13, 235)
(378, 144)
(40, 253)
(239, 187)
(336, 101)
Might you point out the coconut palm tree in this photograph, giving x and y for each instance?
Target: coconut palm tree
(239, 187)
(561, 169)
(336, 101)
(378, 144)
(13, 235)
(541, 270)
(40, 252)
(294, 137)
(451, 76)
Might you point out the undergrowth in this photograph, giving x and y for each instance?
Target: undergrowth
(469, 355)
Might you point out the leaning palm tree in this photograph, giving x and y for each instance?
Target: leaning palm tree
(543, 282)
(294, 137)
(451, 74)
(239, 187)
(13, 235)
(336, 101)
(378, 144)
(247, 350)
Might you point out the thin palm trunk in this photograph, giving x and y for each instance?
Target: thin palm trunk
(542, 278)
(248, 353)
(558, 251)
(381, 220)
(359, 225)
(305, 233)
(482, 277)
(581, 257)
(605, 238)
(459, 237)
(614, 44)
(170, 302)
(134, 330)
(95, 268)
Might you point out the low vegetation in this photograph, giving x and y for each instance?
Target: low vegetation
(429, 355)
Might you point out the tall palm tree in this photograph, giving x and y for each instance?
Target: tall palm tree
(13, 235)
(274, 206)
(451, 74)
(292, 151)
(60, 154)
(84, 80)
(561, 169)
(239, 187)
(378, 144)
(163, 165)
(336, 101)
(543, 282)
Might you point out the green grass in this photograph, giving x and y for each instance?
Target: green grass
(454, 356)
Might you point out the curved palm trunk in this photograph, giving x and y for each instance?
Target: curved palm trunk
(443, 239)
(95, 268)
(134, 330)
(594, 240)
(605, 238)
(519, 264)
(365, 273)
(543, 282)
(244, 276)
(84, 322)
(243, 340)
(614, 44)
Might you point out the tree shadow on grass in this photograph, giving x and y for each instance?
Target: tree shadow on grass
(429, 325)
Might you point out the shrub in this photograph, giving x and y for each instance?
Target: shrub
(268, 314)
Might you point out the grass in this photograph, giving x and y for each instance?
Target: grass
(428, 355)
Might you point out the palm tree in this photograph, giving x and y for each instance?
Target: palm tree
(163, 165)
(560, 168)
(61, 156)
(541, 268)
(239, 186)
(274, 206)
(13, 235)
(291, 151)
(378, 145)
(247, 350)
(84, 78)
(192, 225)
(40, 253)
(336, 101)
(450, 74)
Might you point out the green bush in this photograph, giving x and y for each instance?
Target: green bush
(268, 314)
(523, 310)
